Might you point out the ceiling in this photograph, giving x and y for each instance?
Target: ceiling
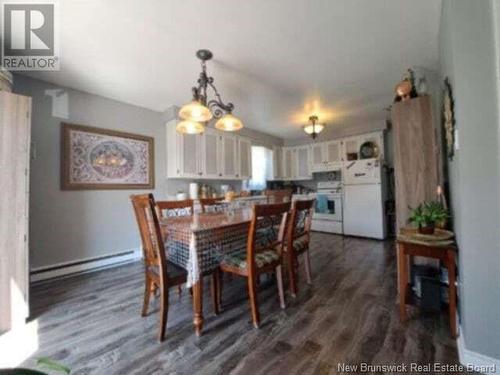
(278, 61)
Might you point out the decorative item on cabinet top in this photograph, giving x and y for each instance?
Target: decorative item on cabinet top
(212, 154)
(406, 89)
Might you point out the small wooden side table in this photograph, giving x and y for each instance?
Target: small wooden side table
(446, 252)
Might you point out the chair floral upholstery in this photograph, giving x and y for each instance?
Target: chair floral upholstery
(239, 259)
(300, 245)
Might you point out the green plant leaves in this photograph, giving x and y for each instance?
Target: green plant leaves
(428, 213)
(50, 364)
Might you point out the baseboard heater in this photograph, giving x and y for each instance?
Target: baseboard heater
(84, 265)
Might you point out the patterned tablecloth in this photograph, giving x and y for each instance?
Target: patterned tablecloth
(198, 243)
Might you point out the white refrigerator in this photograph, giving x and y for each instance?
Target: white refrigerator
(364, 199)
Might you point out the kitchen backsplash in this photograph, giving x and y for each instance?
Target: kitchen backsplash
(174, 186)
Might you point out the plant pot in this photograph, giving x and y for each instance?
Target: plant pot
(442, 224)
(428, 229)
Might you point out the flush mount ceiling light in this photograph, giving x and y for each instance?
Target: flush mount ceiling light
(313, 129)
(201, 109)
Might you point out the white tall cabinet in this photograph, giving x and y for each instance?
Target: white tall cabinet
(15, 126)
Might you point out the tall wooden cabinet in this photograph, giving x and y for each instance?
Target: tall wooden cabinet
(416, 155)
(15, 125)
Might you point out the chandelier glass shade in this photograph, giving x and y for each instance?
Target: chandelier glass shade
(229, 123)
(195, 111)
(189, 127)
(202, 109)
(313, 129)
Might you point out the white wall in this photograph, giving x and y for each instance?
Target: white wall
(469, 57)
(74, 225)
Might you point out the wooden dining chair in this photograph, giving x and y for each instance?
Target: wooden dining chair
(297, 241)
(166, 209)
(212, 204)
(175, 208)
(263, 253)
(160, 274)
(278, 196)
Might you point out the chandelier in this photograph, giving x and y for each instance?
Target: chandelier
(201, 109)
(313, 129)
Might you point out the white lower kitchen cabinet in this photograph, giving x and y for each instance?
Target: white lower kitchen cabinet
(210, 155)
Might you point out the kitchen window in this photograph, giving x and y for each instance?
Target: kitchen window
(262, 159)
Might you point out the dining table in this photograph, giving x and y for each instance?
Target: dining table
(199, 242)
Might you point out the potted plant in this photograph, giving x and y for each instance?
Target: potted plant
(427, 214)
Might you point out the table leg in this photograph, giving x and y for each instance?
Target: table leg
(403, 281)
(452, 290)
(215, 286)
(198, 305)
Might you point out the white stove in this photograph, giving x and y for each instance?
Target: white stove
(327, 215)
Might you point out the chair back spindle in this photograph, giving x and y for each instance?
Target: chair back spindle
(267, 229)
(150, 231)
(212, 205)
(278, 196)
(175, 208)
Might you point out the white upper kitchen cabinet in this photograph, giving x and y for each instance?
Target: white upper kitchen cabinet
(230, 156)
(295, 163)
(211, 154)
(333, 152)
(302, 170)
(244, 158)
(183, 156)
(190, 160)
(326, 156)
(287, 163)
(317, 155)
(277, 163)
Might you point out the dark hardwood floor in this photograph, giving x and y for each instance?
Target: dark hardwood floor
(92, 322)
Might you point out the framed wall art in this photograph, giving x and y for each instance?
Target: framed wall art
(94, 159)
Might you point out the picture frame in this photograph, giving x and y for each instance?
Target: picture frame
(102, 159)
